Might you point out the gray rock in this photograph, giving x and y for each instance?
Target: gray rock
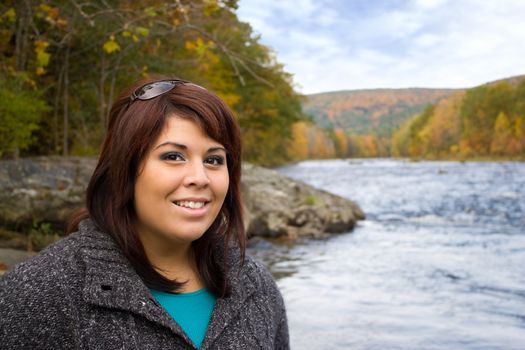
(50, 188)
(277, 205)
(44, 188)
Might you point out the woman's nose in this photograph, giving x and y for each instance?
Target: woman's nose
(196, 175)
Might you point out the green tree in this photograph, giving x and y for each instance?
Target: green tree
(21, 108)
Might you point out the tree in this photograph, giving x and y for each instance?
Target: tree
(502, 135)
(79, 53)
(479, 111)
(21, 108)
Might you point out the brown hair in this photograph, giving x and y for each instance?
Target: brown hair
(132, 129)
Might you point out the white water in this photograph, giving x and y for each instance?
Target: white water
(438, 264)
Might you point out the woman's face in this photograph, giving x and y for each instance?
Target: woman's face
(181, 185)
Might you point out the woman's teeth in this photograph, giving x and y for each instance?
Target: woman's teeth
(190, 204)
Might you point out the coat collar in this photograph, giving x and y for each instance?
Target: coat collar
(111, 282)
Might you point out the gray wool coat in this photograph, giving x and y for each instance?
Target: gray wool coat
(82, 293)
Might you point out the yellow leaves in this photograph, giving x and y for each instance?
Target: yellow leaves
(502, 134)
(198, 46)
(44, 7)
(299, 143)
(309, 141)
(134, 33)
(111, 45)
(40, 71)
(142, 31)
(231, 99)
(210, 7)
(10, 15)
(144, 72)
(150, 12)
(42, 57)
(341, 142)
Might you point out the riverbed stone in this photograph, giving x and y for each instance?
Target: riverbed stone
(49, 189)
(287, 207)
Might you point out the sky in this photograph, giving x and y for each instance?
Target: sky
(330, 45)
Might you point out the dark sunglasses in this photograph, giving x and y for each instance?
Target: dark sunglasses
(152, 90)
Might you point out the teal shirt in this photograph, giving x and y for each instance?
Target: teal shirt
(192, 311)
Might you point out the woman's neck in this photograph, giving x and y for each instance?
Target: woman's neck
(175, 262)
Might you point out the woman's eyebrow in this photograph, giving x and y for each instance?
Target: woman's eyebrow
(184, 147)
(174, 144)
(217, 148)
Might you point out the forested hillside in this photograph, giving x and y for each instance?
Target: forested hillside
(63, 61)
(481, 122)
(377, 111)
(360, 122)
(486, 121)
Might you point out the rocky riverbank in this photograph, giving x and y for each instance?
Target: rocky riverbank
(38, 195)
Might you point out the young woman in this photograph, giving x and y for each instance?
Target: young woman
(156, 260)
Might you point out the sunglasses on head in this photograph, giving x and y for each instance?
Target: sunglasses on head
(152, 90)
(157, 88)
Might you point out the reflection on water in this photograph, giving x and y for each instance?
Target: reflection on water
(437, 265)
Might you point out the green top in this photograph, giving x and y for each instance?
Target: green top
(192, 311)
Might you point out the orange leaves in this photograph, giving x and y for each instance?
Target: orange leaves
(51, 15)
(198, 46)
(481, 122)
(309, 141)
(341, 143)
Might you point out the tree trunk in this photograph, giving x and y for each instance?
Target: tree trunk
(23, 21)
(102, 104)
(65, 145)
(56, 133)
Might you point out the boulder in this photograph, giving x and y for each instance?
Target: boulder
(49, 189)
(42, 189)
(276, 205)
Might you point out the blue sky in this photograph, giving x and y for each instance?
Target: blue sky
(331, 45)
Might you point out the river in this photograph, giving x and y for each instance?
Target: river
(438, 264)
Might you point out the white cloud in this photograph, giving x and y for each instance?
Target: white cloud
(336, 44)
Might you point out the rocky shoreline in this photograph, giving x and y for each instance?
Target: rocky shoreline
(38, 195)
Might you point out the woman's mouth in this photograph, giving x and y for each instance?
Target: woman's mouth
(191, 204)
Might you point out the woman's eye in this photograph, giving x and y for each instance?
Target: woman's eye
(215, 160)
(172, 156)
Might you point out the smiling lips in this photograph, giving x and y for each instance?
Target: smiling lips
(191, 204)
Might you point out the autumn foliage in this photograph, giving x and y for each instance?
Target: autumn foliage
(486, 121)
(483, 122)
(63, 61)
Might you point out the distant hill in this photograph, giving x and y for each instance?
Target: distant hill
(484, 121)
(375, 112)
(487, 121)
(512, 81)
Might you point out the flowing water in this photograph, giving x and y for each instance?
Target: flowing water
(438, 264)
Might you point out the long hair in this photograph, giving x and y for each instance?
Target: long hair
(132, 129)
